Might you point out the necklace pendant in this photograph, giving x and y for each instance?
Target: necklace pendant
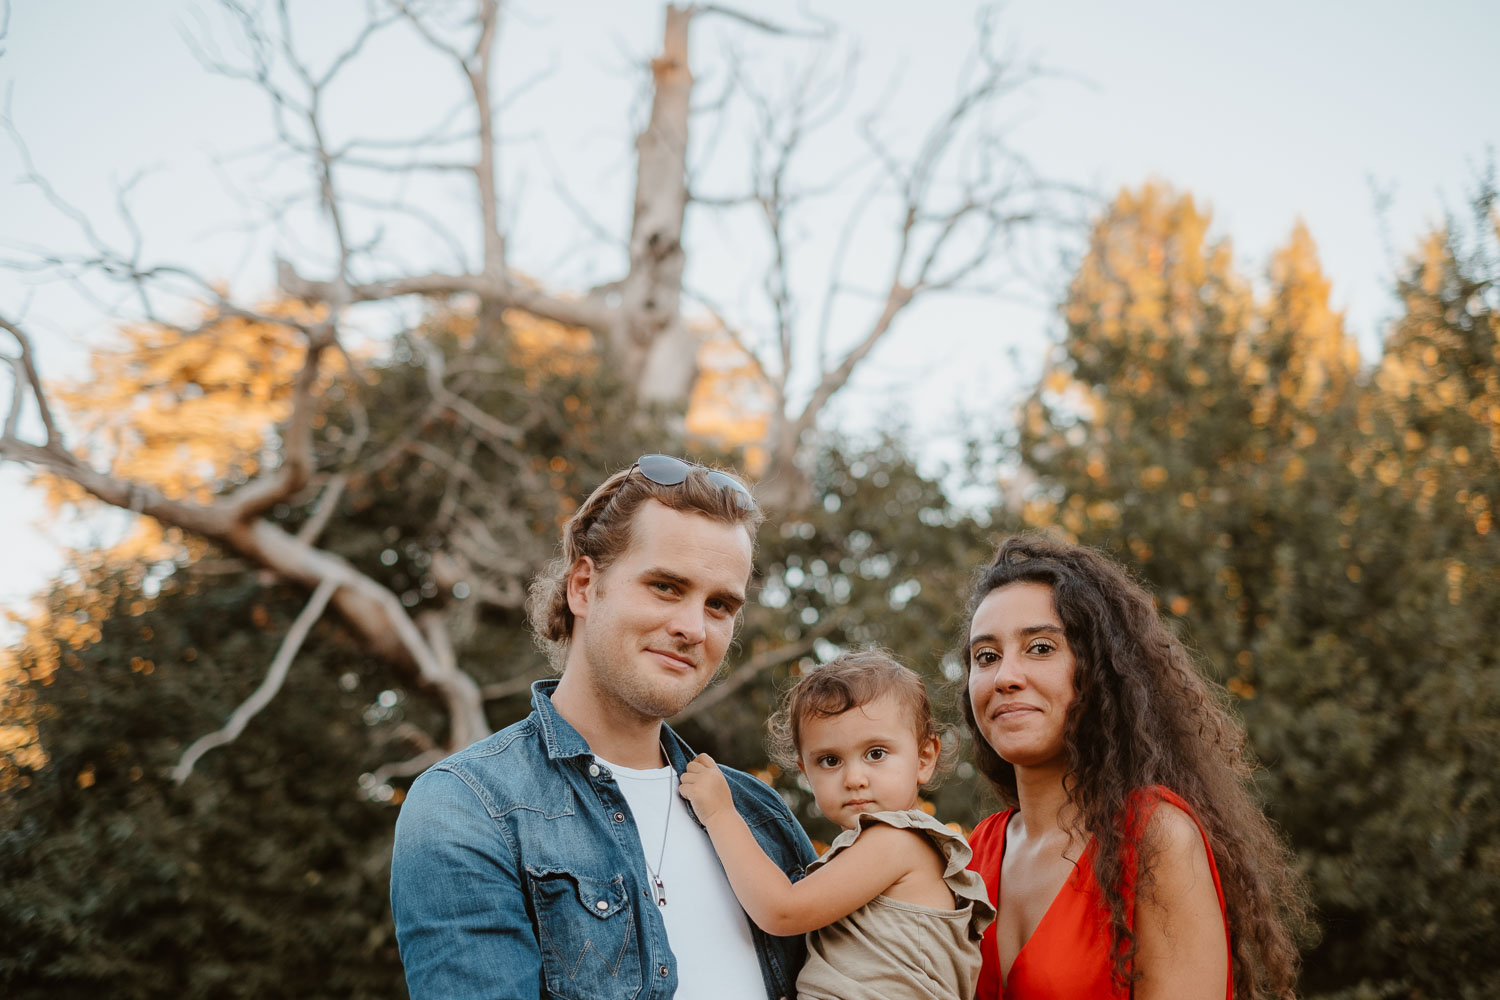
(660, 890)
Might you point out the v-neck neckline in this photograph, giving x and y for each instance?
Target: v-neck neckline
(1007, 974)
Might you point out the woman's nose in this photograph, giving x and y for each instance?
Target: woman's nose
(1008, 675)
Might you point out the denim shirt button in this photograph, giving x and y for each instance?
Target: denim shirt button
(662, 971)
(593, 770)
(619, 817)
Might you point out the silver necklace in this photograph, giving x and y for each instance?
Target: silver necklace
(658, 888)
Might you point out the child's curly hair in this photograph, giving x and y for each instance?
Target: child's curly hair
(846, 682)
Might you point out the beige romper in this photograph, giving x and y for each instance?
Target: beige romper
(890, 950)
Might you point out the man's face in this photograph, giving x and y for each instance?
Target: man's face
(652, 629)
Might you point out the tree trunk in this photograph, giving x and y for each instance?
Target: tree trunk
(657, 353)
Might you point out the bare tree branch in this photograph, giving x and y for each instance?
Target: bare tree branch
(261, 696)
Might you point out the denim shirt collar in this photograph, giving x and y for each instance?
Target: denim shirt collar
(563, 741)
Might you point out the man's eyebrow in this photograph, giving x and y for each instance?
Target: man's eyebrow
(659, 573)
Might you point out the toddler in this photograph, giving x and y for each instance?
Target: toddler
(891, 911)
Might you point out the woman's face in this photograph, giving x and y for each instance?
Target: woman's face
(1021, 674)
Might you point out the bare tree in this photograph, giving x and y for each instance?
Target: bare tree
(950, 205)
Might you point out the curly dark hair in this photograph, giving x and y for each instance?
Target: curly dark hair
(1142, 716)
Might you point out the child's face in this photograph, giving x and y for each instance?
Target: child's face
(866, 760)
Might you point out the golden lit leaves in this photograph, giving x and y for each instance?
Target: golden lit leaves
(730, 405)
(1455, 571)
(186, 413)
(543, 346)
(1151, 276)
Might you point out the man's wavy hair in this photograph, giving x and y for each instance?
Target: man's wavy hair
(1142, 715)
(601, 529)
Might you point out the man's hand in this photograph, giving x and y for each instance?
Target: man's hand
(703, 785)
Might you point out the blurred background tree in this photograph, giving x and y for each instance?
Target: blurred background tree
(207, 728)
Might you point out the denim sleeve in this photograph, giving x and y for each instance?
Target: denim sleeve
(458, 900)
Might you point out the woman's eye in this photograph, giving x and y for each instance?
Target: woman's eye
(985, 657)
(1040, 648)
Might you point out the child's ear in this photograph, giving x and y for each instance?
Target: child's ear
(927, 759)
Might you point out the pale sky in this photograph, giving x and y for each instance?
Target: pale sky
(1266, 112)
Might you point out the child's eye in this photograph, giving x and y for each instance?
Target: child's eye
(828, 760)
(877, 753)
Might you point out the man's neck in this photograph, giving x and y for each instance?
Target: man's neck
(613, 732)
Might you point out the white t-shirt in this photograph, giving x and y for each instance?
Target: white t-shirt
(708, 931)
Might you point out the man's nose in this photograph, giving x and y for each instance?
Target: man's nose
(689, 623)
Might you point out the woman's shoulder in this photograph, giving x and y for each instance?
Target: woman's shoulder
(1156, 811)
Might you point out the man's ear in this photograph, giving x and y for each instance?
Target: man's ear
(581, 577)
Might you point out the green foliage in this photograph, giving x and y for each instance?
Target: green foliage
(263, 875)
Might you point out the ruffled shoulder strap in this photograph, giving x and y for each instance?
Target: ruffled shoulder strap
(967, 886)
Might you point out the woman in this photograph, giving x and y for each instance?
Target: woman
(1134, 861)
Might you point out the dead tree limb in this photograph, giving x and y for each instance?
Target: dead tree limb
(262, 695)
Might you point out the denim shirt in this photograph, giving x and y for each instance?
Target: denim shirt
(517, 872)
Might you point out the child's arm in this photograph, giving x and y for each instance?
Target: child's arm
(879, 858)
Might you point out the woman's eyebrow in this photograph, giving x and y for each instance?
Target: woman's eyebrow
(1024, 630)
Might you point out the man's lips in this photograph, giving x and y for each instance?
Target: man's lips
(673, 659)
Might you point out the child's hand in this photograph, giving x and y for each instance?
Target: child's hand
(703, 785)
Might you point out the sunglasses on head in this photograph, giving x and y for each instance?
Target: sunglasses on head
(664, 470)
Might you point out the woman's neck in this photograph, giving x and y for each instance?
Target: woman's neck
(1043, 799)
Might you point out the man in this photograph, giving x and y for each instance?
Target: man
(555, 858)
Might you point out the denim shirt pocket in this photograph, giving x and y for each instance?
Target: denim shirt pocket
(586, 928)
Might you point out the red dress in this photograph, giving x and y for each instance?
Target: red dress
(1068, 954)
